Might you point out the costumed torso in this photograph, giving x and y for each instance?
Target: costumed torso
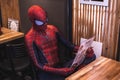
(47, 43)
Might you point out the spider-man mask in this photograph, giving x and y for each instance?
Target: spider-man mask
(38, 17)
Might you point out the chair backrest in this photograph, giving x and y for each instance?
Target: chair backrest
(97, 47)
(17, 56)
(16, 50)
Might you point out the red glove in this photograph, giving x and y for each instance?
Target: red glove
(89, 52)
(76, 48)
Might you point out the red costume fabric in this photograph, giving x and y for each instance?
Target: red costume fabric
(42, 43)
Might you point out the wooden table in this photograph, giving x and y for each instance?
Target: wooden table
(9, 35)
(100, 69)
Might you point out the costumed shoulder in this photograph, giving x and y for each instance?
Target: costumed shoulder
(29, 35)
(53, 28)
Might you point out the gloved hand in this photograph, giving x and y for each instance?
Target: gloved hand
(89, 52)
(76, 48)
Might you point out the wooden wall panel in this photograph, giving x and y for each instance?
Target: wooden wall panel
(98, 21)
(118, 56)
(9, 9)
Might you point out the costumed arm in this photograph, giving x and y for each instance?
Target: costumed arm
(89, 52)
(66, 43)
(59, 71)
(31, 53)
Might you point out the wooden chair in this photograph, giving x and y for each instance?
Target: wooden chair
(17, 62)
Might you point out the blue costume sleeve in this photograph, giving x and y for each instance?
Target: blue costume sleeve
(64, 41)
(39, 55)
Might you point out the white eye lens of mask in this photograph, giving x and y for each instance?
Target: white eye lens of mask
(38, 22)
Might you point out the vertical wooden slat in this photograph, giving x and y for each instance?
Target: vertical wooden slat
(78, 26)
(85, 20)
(99, 22)
(73, 20)
(112, 28)
(109, 28)
(102, 20)
(82, 22)
(96, 23)
(78, 23)
(104, 33)
(76, 29)
(92, 17)
(90, 21)
(117, 26)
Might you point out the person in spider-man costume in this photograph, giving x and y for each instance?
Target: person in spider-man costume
(42, 44)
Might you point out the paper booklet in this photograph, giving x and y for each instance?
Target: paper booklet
(80, 55)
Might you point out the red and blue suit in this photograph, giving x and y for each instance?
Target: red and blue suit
(42, 44)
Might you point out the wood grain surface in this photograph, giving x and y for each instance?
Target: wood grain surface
(9, 35)
(100, 69)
